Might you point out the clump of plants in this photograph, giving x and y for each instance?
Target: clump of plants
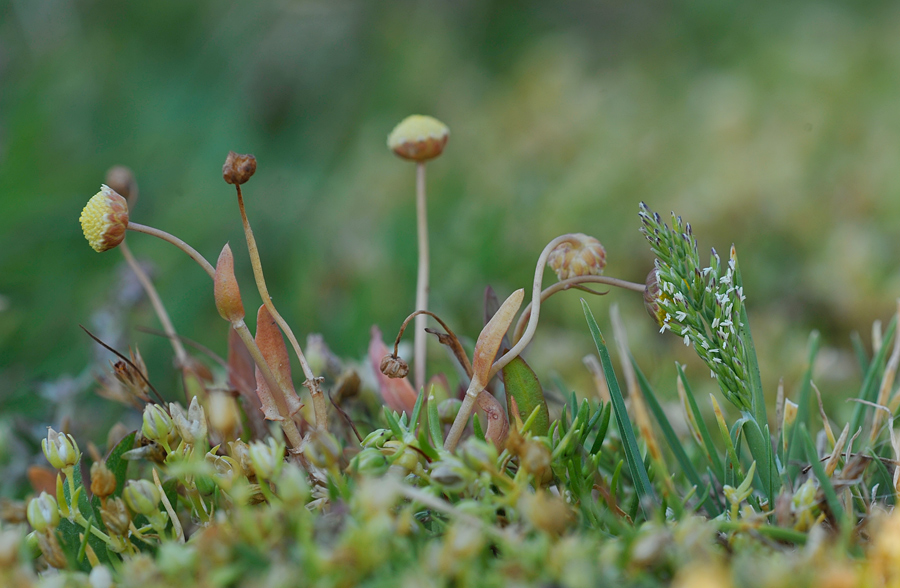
(248, 483)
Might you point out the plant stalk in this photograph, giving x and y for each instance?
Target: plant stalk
(312, 383)
(421, 341)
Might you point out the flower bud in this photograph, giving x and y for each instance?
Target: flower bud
(224, 414)
(451, 475)
(478, 454)
(369, 462)
(227, 470)
(104, 219)
(418, 138)
(158, 425)
(581, 256)
(322, 449)
(227, 293)
(142, 496)
(240, 451)
(43, 512)
(394, 367)
(115, 516)
(60, 449)
(266, 458)
(378, 438)
(192, 428)
(238, 168)
(103, 481)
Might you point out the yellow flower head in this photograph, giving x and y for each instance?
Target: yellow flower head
(581, 256)
(105, 219)
(418, 138)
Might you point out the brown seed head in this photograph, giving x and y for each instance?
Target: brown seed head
(227, 293)
(418, 138)
(238, 167)
(652, 294)
(394, 367)
(105, 219)
(103, 481)
(121, 179)
(583, 255)
(115, 516)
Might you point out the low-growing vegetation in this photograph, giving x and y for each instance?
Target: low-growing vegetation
(369, 479)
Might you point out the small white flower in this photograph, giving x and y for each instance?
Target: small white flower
(680, 316)
(687, 341)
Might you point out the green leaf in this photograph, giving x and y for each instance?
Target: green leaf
(417, 409)
(641, 480)
(711, 452)
(803, 401)
(824, 481)
(671, 438)
(605, 414)
(434, 422)
(476, 427)
(523, 386)
(869, 389)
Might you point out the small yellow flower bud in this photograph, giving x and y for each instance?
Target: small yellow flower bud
(418, 138)
(43, 512)
(394, 367)
(227, 293)
(104, 219)
(224, 414)
(103, 481)
(581, 256)
(60, 449)
(238, 167)
(141, 496)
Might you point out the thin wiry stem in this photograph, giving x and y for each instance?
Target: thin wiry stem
(420, 341)
(207, 267)
(311, 382)
(153, 295)
(573, 283)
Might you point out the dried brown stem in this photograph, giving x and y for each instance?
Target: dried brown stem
(453, 343)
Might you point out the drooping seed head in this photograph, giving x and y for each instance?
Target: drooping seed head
(583, 255)
(394, 367)
(104, 219)
(418, 138)
(238, 168)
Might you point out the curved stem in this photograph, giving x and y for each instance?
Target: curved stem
(536, 307)
(455, 345)
(420, 342)
(153, 295)
(207, 267)
(571, 283)
(311, 381)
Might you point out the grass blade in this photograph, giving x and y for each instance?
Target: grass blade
(711, 452)
(639, 475)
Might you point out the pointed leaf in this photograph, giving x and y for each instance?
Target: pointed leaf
(491, 337)
(271, 345)
(523, 385)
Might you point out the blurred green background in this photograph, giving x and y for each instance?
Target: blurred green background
(773, 125)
